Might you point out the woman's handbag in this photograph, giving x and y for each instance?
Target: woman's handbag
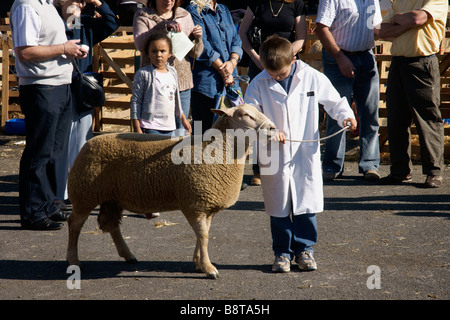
(88, 88)
(254, 32)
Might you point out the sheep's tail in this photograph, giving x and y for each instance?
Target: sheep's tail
(110, 216)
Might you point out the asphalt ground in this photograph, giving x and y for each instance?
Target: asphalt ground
(375, 243)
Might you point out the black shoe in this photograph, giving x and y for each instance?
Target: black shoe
(60, 216)
(395, 180)
(45, 224)
(330, 176)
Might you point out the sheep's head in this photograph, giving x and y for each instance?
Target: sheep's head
(246, 117)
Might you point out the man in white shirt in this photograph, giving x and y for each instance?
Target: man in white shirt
(346, 30)
(44, 70)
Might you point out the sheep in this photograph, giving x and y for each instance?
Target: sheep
(136, 172)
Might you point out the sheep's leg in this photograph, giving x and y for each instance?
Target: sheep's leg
(122, 247)
(75, 222)
(201, 227)
(109, 221)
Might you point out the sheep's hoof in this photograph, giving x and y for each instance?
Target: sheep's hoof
(132, 261)
(213, 275)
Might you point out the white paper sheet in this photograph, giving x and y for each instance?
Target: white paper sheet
(181, 44)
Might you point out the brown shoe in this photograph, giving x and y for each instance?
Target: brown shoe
(256, 180)
(371, 175)
(433, 181)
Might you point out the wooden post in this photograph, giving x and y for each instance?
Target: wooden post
(95, 67)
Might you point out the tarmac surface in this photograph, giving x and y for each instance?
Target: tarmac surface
(375, 243)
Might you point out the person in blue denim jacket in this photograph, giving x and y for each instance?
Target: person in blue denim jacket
(214, 70)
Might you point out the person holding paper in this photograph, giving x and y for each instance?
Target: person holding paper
(168, 16)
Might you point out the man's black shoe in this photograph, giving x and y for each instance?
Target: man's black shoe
(60, 216)
(394, 180)
(45, 224)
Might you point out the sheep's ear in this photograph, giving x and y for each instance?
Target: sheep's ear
(220, 112)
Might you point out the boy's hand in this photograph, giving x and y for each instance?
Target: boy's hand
(279, 136)
(353, 123)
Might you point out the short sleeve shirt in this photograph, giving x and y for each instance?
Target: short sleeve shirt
(424, 40)
(29, 35)
(351, 22)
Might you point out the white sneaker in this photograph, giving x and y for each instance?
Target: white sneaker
(306, 261)
(281, 264)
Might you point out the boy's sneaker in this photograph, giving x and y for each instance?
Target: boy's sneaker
(306, 261)
(281, 264)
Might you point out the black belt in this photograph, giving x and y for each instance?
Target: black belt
(354, 53)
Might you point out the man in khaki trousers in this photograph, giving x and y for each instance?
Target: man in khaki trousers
(416, 29)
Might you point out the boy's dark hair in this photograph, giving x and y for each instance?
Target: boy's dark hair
(157, 36)
(276, 52)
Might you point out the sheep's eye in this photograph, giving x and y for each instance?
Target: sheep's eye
(247, 115)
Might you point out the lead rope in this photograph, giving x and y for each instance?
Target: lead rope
(291, 140)
(324, 138)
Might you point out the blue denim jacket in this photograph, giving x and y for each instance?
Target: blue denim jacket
(220, 39)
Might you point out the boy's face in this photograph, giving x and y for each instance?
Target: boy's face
(282, 73)
(159, 53)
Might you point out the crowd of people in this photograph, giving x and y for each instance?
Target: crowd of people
(168, 90)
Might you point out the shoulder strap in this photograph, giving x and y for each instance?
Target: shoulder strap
(75, 63)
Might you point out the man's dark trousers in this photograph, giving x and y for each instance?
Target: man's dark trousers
(413, 95)
(48, 111)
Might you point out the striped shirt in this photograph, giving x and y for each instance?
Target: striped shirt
(351, 22)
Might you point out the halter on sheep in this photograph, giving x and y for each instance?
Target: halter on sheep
(127, 172)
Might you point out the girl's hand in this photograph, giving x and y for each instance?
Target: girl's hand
(137, 126)
(186, 124)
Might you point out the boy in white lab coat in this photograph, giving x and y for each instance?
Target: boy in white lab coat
(288, 92)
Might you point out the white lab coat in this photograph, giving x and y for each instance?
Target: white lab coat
(296, 186)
